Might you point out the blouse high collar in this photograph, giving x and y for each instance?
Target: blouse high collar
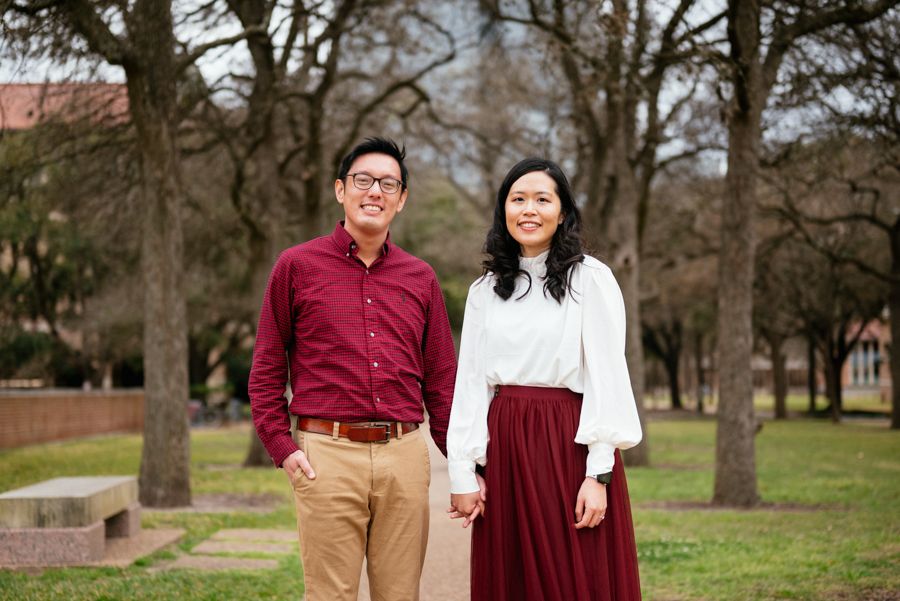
(536, 265)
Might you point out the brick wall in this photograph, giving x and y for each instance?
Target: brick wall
(36, 416)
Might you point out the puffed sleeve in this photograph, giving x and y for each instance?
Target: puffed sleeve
(609, 418)
(467, 434)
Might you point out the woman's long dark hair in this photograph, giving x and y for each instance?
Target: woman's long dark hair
(566, 247)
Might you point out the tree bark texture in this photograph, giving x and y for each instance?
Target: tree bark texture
(623, 198)
(735, 479)
(267, 218)
(811, 373)
(151, 75)
(674, 389)
(779, 375)
(701, 376)
(833, 382)
(894, 307)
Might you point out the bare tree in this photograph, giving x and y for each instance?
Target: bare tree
(868, 66)
(139, 37)
(820, 190)
(758, 43)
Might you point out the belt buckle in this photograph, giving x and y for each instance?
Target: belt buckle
(387, 431)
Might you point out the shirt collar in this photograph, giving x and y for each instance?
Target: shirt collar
(346, 244)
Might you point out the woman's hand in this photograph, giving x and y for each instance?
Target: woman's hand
(590, 508)
(469, 505)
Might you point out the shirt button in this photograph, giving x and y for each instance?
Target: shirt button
(369, 300)
(377, 400)
(375, 364)
(372, 334)
(367, 272)
(347, 255)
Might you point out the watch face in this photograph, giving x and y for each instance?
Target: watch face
(604, 478)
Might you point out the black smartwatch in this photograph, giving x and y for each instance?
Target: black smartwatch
(604, 478)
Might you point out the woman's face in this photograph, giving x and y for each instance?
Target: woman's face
(533, 212)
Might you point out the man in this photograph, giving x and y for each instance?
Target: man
(361, 328)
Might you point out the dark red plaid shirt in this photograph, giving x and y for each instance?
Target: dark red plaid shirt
(362, 344)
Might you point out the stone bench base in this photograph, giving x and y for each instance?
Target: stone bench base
(125, 524)
(36, 546)
(67, 546)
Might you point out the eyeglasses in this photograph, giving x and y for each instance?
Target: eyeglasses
(388, 185)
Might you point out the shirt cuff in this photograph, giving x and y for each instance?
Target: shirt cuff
(280, 448)
(462, 477)
(601, 458)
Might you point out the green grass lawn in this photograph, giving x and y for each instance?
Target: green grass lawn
(849, 548)
(222, 450)
(844, 546)
(799, 403)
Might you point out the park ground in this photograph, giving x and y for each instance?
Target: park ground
(828, 528)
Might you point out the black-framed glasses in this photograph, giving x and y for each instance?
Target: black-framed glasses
(388, 185)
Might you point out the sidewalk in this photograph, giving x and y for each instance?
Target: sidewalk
(445, 576)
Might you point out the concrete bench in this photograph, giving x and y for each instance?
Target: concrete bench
(67, 520)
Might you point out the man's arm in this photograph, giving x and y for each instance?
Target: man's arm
(440, 366)
(269, 374)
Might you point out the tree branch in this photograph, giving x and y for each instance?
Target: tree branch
(188, 59)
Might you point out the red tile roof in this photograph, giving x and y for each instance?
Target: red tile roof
(23, 105)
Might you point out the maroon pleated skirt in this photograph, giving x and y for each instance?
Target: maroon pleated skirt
(526, 547)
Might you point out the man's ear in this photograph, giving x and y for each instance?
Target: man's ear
(339, 190)
(402, 200)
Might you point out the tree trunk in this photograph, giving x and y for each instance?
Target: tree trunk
(165, 461)
(811, 374)
(623, 198)
(894, 358)
(265, 221)
(672, 370)
(626, 271)
(735, 479)
(894, 308)
(701, 379)
(257, 456)
(833, 383)
(779, 377)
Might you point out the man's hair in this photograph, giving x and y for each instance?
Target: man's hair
(375, 145)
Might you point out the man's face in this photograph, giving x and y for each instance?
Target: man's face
(370, 212)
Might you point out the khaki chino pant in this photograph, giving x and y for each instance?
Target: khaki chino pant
(367, 500)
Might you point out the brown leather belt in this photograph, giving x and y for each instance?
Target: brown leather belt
(362, 432)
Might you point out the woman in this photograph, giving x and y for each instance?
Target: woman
(543, 402)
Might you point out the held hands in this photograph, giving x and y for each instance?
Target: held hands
(295, 460)
(590, 508)
(469, 505)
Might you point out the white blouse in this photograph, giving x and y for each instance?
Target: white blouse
(578, 344)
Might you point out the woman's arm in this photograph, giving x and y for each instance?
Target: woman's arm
(467, 433)
(609, 418)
